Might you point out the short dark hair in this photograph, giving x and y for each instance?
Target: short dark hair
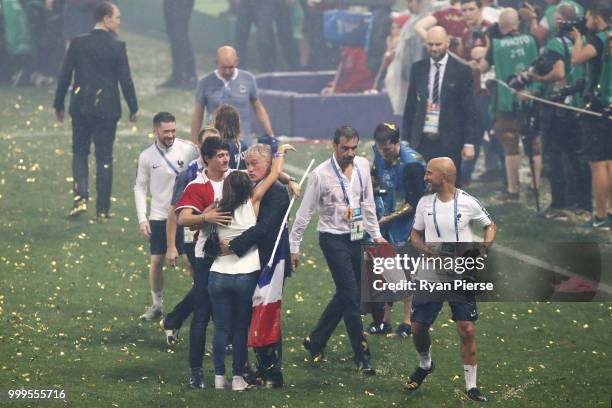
(478, 2)
(346, 131)
(237, 188)
(163, 117)
(387, 131)
(211, 145)
(104, 9)
(601, 8)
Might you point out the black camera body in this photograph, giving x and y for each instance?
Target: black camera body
(559, 94)
(594, 104)
(566, 27)
(540, 66)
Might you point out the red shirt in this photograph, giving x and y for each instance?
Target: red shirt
(355, 76)
(452, 21)
(198, 195)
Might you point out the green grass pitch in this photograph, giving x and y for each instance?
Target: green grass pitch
(71, 293)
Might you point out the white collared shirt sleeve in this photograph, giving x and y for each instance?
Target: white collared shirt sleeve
(141, 186)
(304, 213)
(370, 221)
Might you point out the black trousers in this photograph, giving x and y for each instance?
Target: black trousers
(323, 55)
(246, 18)
(102, 132)
(565, 163)
(182, 310)
(176, 16)
(270, 360)
(343, 257)
(268, 14)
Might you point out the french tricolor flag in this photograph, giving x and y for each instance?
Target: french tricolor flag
(265, 320)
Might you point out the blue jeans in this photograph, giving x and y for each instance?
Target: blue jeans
(231, 297)
(201, 311)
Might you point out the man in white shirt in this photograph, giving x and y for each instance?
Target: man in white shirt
(340, 189)
(158, 166)
(445, 217)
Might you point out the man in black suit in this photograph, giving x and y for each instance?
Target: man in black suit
(440, 112)
(99, 63)
(271, 212)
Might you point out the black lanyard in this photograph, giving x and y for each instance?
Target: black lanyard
(435, 219)
(163, 155)
(337, 171)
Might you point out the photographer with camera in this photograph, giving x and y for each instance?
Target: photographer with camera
(546, 28)
(397, 175)
(598, 96)
(511, 55)
(564, 162)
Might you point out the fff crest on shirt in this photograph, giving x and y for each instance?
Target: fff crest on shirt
(179, 162)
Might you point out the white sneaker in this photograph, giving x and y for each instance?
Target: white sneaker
(221, 382)
(152, 313)
(239, 384)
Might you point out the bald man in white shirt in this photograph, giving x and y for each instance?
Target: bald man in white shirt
(444, 217)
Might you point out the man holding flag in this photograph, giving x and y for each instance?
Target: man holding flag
(264, 333)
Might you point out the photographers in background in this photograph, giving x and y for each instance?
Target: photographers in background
(595, 52)
(511, 54)
(546, 29)
(564, 164)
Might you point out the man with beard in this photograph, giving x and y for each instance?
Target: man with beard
(158, 166)
(444, 217)
(341, 190)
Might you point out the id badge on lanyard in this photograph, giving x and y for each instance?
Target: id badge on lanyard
(353, 214)
(189, 235)
(432, 118)
(356, 224)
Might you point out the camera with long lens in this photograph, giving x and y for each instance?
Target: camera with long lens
(566, 27)
(541, 66)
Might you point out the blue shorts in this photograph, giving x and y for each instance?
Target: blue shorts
(426, 311)
(157, 242)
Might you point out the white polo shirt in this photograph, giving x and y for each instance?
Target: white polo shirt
(158, 167)
(468, 209)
